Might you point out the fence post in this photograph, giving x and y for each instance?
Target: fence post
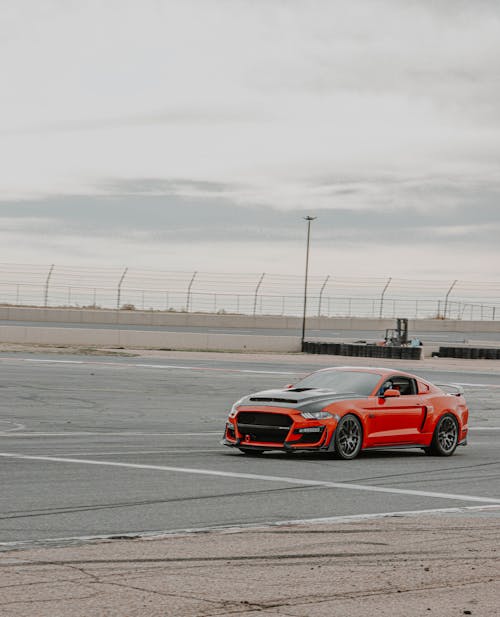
(446, 299)
(119, 291)
(188, 300)
(256, 292)
(46, 292)
(321, 295)
(382, 297)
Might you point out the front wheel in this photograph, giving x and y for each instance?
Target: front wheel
(348, 437)
(445, 438)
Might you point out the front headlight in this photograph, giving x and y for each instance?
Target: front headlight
(316, 415)
(234, 411)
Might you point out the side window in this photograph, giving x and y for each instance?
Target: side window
(423, 388)
(387, 385)
(406, 385)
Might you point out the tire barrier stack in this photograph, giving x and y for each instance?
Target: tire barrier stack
(362, 351)
(470, 353)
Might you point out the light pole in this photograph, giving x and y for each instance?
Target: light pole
(308, 219)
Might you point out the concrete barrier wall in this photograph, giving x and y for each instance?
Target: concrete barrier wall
(147, 339)
(201, 320)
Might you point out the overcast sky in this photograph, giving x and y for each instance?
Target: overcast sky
(195, 135)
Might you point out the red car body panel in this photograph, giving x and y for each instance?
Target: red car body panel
(393, 420)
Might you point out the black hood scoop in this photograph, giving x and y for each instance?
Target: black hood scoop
(268, 399)
(298, 398)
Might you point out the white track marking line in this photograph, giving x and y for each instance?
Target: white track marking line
(251, 476)
(237, 528)
(54, 361)
(218, 369)
(160, 366)
(475, 385)
(350, 517)
(104, 434)
(13, 433)
(208, 368)
(17, 426)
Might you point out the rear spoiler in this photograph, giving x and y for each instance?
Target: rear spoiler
(451, 389)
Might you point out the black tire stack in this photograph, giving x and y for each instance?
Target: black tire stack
(360, 350)
(474, 353)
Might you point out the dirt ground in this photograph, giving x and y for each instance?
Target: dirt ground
(399, 566)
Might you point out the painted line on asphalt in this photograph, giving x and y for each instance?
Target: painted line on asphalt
(59, 361)
(124, 365)
(104, 434)
(350, 517)
(237, 528)
(13, 433)
(251, 476)
(208, 368)
(475, 385)
(17, 426)
(158, 366)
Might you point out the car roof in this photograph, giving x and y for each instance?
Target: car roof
(369, 369)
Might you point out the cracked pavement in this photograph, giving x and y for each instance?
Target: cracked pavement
(414, 565)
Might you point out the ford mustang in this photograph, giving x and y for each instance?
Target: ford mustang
(346, 410)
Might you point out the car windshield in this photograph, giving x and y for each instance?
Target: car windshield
(341, 381)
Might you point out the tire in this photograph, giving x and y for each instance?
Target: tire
(445, 439)
(348, 437)
(251, 452)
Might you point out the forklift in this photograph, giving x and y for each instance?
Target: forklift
(397, 337)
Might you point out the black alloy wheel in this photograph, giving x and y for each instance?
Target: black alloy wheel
(445, 438)
(348, 437)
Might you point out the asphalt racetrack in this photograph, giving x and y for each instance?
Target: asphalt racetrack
(113, 446)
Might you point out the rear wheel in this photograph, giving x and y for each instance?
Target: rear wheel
(445, 438)
(348, 437)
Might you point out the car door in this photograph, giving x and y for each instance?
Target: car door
(395, 420)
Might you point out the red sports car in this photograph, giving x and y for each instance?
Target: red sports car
(345, 410)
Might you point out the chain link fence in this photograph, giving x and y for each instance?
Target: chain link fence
(248, 294)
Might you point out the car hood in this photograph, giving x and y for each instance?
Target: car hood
(300, 398)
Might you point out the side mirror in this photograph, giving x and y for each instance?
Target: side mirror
(390, 393)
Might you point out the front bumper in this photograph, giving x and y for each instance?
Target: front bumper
(285, 447)
(296, 437)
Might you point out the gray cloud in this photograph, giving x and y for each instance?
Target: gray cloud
(155, 210)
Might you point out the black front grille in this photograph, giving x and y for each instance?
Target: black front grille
(263, 427)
